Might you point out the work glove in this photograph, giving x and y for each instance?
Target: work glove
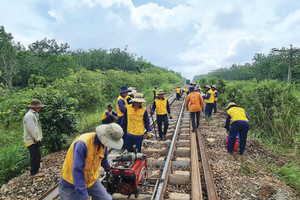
(170, 116)
(147, 135)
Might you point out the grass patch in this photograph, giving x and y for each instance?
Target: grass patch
(289, 173)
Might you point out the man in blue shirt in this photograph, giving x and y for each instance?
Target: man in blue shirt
(80, 174)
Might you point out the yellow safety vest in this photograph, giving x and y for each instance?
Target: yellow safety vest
(92, 161)
(186, 90)
(130, 98)
(178, 90)
(135, 120)
(155, 92)
(120, 114)
(211, 98)
(237, 113)
(161, 106)
(216, 98)
(104, 116)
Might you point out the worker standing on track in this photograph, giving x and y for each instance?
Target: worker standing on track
(122, 103)
(130, 95)
(33, 136)
(209, 100)
(195, 101)
(155, 92)
(216, 95)
(135, 121)
(109, 116)
(237, 121)
(79, 177)
(198, 88)
(162, 109)
(178, 93)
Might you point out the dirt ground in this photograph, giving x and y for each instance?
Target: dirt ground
(243, 177)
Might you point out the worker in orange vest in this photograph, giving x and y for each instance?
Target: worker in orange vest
(195, 102)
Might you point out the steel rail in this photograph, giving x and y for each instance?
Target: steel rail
(209, 180)
(164, 177)
(53, 192)
(196, 189)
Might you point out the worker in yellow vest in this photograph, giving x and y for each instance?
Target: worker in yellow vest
(185, 90)
(79, 177)
(134, 123)
(109, 116)
(122, 103)
(162, 109)
(198, 88)
(155, 92)
(209, 100)
(237, 121)
(178, 93)
(216, 95)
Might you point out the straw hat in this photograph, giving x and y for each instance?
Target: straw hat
(138, 97)
(213, 86)
(160, 91)
(110, 135)
(36, 104)
(132, 91)
(231, 104)
(207, 86)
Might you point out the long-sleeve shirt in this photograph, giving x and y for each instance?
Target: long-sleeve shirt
(168, 107)
(121, 104)
(145, 118)
(195, 101)
(207, 96)
(227, 124)
(32, 128)
(79, 155)
(111, 114)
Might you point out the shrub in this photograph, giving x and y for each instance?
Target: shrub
(58, 118)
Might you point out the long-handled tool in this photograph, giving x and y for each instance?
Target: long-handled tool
(154, 126)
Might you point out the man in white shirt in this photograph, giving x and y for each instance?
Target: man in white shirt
(33, 136)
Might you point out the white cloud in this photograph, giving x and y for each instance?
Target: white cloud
(193, 36)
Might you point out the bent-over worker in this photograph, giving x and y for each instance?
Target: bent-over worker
(109, 116)
(135, 121)
(237, 121)
(79, 178)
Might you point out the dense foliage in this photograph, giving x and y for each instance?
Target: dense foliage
(75, 85)
(271, 66)
(273, 107)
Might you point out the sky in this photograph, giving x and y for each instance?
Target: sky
(188, 36)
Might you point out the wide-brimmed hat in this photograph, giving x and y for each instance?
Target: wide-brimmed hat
(138, 97)
(192, 88)
(213, 86)
(36, 104)
(132, 91)
(160, 91)
(124, 89)
(110, 135)
(207, 86)
(231, 104)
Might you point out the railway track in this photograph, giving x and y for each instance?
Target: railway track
(175, 166)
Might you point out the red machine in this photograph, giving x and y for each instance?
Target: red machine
(128, 174)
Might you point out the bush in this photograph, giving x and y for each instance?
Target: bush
(272, 106)
(58, 118)
(14, 160)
